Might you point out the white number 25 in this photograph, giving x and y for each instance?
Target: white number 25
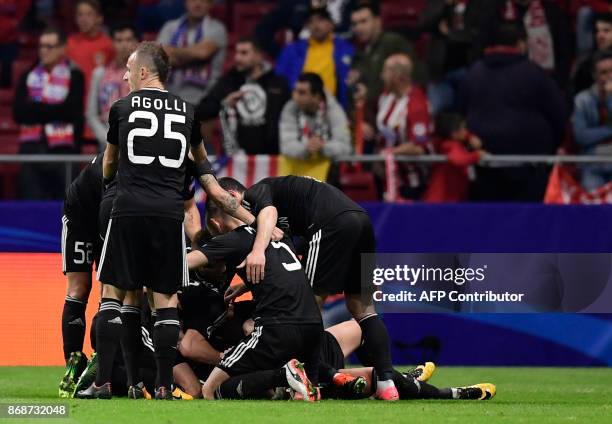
(169, 119)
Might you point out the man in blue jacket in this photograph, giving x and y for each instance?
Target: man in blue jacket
(323, 54)
(593, 121)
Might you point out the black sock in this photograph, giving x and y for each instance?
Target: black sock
(254, 385)
(108, 336)
(130, 342)
(409, 388)
(165, 339)
(376, 343)
(73, 325)
(326, 373)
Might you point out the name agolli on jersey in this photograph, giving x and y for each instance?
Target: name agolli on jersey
(171, 105)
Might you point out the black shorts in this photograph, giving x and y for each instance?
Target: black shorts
(331, 353)
(144, 251)
(334, 263)
(106, 206)
(272, 346)
(81, 244)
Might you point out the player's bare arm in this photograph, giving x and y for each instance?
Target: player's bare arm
(110, 162)
(256, 260)
(192, 220)
(209, 183)
(196, 259)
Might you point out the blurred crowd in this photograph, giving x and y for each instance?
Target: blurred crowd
(311, 81)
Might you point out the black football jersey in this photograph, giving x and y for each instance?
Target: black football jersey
(85, 192)
(284, 296)
(304, 204)
(154, 130)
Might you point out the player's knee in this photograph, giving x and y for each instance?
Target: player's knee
(186, 347)
(357, 308)
(132, 298)
(112, 292)
(79, 285)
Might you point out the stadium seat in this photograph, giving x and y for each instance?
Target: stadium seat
(8, 180)
(6, 97)
(246, 16)
(7, 125)
(149, 36)
(9, 143)
(359, 186)
(401, 14)
(19, 67)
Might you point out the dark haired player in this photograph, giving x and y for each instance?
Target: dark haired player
(287, 319)
(339, 233)
(147, 145)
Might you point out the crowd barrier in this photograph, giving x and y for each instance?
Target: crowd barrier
(32, 287)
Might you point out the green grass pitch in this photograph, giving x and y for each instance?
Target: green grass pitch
(538, 395)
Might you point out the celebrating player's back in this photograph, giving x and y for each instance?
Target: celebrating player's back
(151, 127)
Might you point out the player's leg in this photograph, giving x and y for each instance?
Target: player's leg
(359, 302)
(186, 378)
(73, 314)
(348, 336)
(131, 341)
(73, 329)
(76, 265)
(108, 331)
(166, 272)
(255, 385)
(117, 272)
(165, 340)
(195, 347)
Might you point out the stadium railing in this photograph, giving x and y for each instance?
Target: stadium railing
(490, 160)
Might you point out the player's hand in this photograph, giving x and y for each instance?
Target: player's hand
(248, 326)
(233, 292)
(255, 264)
(277, 234)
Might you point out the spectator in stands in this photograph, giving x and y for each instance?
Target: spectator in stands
(91, 46)
(323, 54)
(515, 108)
(449, 182)
(582, 78)
(196, 45)
(250, 98)
(107, 84)
(292, 14)
(547, 28)
(593, 121)
(374, 46)
(585, 20)
(48, 107)
(403, 122)
(452, 26)
(313, 128)
(11, 14)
